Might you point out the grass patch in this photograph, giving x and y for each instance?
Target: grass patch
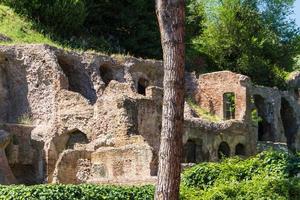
(201, 112)
(22, 30)
(19, 29)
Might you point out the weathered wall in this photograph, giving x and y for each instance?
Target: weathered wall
(98, 118)
(213, 86)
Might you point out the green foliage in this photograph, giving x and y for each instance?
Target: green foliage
(19, 29)
(25, 119)
(130, 26)
(75, 192)
(114, 26)
(204, 114)
(269, 175)
(252, 37)
(63, 16)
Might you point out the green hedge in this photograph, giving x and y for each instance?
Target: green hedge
(269, 175)
(75, 192)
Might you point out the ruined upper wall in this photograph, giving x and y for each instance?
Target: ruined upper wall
(213, 86)
(32, 75)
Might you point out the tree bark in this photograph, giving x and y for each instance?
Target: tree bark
(171, 14)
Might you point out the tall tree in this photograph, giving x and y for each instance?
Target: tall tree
(253, 37)
(171, 14)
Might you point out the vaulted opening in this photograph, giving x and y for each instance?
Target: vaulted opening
(189, 152)
(106, 74)
(264, 112)
(142, 85)
(76, 137)
(229, 105)
(223, 150)
(240, 150)
(78, 80)
(289, 123)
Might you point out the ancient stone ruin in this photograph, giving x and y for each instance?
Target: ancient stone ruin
(88, 118)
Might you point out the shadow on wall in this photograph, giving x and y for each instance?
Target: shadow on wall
(265, 129)
(289, 123)
(192, 151)
(79, 80)
(14, 104)
(106, 73)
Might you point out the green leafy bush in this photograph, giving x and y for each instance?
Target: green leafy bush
(75, 192)
(269, 175)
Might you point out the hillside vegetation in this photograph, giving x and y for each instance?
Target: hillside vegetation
(257, 38)
(19, 29)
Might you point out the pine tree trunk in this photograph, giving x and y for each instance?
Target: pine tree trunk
(170, 14)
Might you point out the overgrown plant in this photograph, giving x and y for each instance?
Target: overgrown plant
(201, 112)
(25, 118)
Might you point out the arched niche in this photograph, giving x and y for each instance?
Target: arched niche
(240, 150)
(223, 150)
(106, 73)
(142, 85)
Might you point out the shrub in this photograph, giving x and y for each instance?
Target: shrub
(75, 192)
(269, 175)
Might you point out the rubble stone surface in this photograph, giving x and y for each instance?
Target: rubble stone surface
(68, 117)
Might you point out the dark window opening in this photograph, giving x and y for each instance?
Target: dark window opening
(240, 150)
(224, 150)
(106, 73)
(76, 137)
(289, 123)
(229, 105)
(142, 85)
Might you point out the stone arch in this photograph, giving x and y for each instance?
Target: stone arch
(240, 149)
(68, 140)
(78, 80)
(265, 129)
(289, 123)
(142, 84)
(106, 73)
(229, 105)
(223, 150)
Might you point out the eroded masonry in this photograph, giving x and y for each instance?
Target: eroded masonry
(89, 118)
